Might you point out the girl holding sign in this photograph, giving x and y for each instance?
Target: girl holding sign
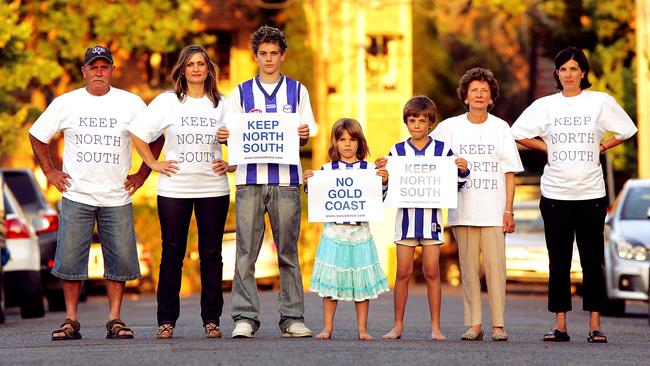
(346, 265)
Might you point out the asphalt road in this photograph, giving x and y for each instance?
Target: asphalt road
(27, 342)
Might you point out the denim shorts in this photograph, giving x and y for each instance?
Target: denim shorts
(116, 234)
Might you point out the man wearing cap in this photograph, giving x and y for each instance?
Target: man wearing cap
(95, 185)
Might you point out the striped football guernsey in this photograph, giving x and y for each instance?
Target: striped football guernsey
(289, 96)
(421, 223)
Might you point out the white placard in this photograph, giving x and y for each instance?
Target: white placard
(263, 138)
(346, 195)
(422, 181)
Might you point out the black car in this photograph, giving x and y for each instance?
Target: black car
(45, 220)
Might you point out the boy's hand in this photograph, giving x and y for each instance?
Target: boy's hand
(303, 132)
(306, 175)
(222, 135)
(383, 173)
(462, 165)
(381, 162)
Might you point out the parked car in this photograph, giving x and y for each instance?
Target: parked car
(45, 220)
(627, 246)
(3, 251)
(22, 274)
(267, 272)
(96, 267)
(526, 253)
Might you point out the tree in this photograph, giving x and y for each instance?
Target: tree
(42, 44)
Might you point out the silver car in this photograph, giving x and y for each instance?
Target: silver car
(627, 246)
(526, 253)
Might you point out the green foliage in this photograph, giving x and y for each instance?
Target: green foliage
(300, 53)
(42, 44)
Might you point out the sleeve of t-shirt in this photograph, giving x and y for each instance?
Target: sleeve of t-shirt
(510, 159)
(221, 108)
(150, 122)
(529, 123)
(233, 102)
(442, 132)
(614, 119)
(48, 123)
(305, 111)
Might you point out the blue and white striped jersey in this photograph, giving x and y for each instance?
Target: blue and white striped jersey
(421, 223)
(288, 96)
(338, 164)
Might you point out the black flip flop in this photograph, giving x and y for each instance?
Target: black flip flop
(596, 336)
(556, 336)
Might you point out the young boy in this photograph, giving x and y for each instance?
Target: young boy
(419, 226)
(272, 188)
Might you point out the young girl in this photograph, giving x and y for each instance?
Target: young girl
(346, 265)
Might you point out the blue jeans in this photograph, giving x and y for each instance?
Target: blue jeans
(116, 234)
(283, 206)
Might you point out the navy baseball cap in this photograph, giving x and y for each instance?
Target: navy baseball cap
(97, 52)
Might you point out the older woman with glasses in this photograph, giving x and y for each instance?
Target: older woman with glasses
(484, 213)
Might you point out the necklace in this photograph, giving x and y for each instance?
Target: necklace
(477, 127)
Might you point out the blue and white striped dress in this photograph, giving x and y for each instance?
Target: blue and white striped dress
(346, 265)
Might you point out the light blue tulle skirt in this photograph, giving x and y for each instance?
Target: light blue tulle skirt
(346, 265)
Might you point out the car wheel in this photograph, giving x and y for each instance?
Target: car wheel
(32, 306)
(2, 297)
(614, 307)
(31, 300)
(55, 300)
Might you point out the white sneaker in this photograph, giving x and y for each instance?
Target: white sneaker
(297, 330)
(243, 330)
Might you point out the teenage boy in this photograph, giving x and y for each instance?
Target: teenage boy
(272, 188)
(419, 226)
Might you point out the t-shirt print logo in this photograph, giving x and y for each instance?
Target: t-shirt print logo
(255, 110)
(287, 109)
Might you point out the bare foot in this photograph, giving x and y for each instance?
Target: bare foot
(436, 335)
(324, 334)
(395, 333)
(364, 336)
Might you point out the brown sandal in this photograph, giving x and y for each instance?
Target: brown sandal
(115, 328)
(165, 331)
(212, 330)
(70, 329)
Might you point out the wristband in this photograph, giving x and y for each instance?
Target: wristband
(509, 212)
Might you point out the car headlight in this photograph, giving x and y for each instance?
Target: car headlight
(632, 251)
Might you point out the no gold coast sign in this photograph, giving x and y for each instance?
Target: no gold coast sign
(345, 196)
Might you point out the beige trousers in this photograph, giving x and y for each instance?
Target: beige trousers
(488, 241)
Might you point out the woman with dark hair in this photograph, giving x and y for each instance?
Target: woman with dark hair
(484, 213)
(193, 179)
(571, 125)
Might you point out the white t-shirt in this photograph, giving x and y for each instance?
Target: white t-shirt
(490, 152)
(97, 145)
(190, 138)
(572, 128)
